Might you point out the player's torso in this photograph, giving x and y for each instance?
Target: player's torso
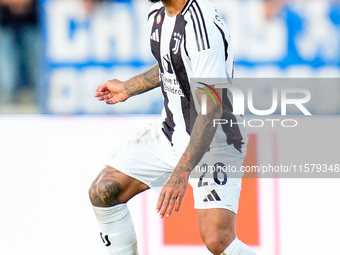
(173, 41)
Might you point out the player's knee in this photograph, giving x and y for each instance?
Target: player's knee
(217, 241)
(214, 245)
(105, 192)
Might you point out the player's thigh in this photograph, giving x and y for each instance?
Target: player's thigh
(113, 187)
(216, 219)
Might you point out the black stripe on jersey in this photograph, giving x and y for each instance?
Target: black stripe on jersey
(185, 44)
(152, 12)
(168, 124)
(199, 26)
(233, 132)
(188, 109)
(224, 40)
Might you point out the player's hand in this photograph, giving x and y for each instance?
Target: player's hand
(111, 92)
(172, 194)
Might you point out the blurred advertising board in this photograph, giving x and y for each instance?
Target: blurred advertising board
(83, 48)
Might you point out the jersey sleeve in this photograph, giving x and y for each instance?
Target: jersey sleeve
(209, 50)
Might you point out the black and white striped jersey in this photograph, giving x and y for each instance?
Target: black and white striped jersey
(193, 44)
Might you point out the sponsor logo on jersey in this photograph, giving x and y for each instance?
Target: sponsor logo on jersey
(167, 64)
(155, 36)
(177, 38)
(171, 85)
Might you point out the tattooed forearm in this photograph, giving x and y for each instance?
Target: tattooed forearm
(175, 182)
(134, 87)
(201, 137)
(151, 76)
(203, 130)
(179, 176)
(143, 82)
(200, 140)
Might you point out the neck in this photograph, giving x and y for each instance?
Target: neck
(174, 7)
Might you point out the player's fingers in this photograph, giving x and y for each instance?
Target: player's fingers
(110, 101)
(171, 205)
(101, 98)
(101, 88)
(164, 205)
(178, 204)
(160, 201)
(107, 97)
(99, 94)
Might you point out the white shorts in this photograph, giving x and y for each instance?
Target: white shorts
(150, 158)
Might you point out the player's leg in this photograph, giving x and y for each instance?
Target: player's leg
(216, 193)
(135, 167)
(112, 187)
(217, 228)
(109, 193)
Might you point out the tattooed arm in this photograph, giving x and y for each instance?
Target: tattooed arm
(115, 91)
(201, 136)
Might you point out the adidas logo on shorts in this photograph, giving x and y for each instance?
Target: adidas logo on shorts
(213, 196)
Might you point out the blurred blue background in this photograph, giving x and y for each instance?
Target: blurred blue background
(54, 53)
